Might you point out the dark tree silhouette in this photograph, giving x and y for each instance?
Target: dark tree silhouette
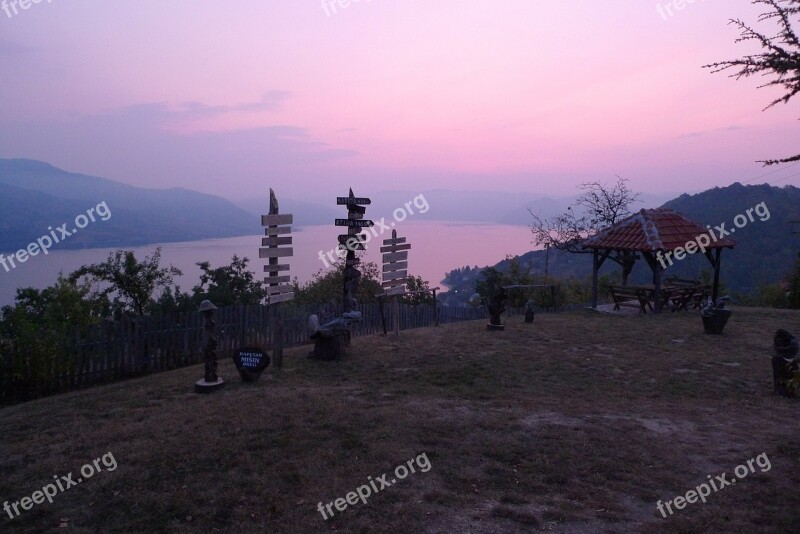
(780, 58)
(229, 284)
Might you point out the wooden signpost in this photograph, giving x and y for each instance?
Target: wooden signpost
(352, 241)
(277, 285)
(331, 339)
(395, 275)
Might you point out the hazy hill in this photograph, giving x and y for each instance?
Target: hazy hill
(501, 207)
(437, 205)
(764, 253)
(36, 195)
(765, 250)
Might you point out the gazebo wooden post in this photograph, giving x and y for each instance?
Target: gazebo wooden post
(717, 265)
(715, 259)
(657, 283)
(657, 272)
(597, 262)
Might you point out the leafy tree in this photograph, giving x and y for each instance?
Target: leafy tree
(780, 58)
(36, 333)
(231, 284)
(64, 302)
(132, 283)
(490, 282)
(416, 283)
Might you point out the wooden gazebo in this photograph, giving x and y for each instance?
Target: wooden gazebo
(659, 236)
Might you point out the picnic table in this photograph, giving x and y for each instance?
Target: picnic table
(676, 295)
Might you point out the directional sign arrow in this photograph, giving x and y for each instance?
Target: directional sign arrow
(283, 297)
(277, 279)
(276, 268)
(344, 201)
(276, 290)
(395, 256)
(353, 223)
(275, 241)
(275, 220)
(395, 248)
(277, 230)
(399, 275)
(396, 266)
(274, 253)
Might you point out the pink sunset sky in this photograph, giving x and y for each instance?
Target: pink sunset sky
(514, 95)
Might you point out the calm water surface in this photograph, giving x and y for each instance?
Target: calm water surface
(437, 247)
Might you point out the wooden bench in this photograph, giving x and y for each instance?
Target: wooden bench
(623, 296)
(684, 293)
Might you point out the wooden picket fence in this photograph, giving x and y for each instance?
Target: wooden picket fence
(115, 350)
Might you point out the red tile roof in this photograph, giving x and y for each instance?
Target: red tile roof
(655, 229)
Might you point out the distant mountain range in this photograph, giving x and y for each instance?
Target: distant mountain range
(35, 195)
(765, 250)
(499, 207)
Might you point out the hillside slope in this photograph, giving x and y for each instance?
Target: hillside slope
(36, 195)
(580, 422)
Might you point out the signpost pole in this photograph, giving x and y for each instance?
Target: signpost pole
(278, 290)
(277, 335)
(383, 317)
(396, 311)
(275, 313)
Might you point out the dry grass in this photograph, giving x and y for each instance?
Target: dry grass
(577, 423)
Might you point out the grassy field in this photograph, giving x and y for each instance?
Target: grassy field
(580, 422)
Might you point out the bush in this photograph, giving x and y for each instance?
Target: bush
(36, 336)
(327, 285)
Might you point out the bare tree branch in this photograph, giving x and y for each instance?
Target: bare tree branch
(781, 56)
(597, 207)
